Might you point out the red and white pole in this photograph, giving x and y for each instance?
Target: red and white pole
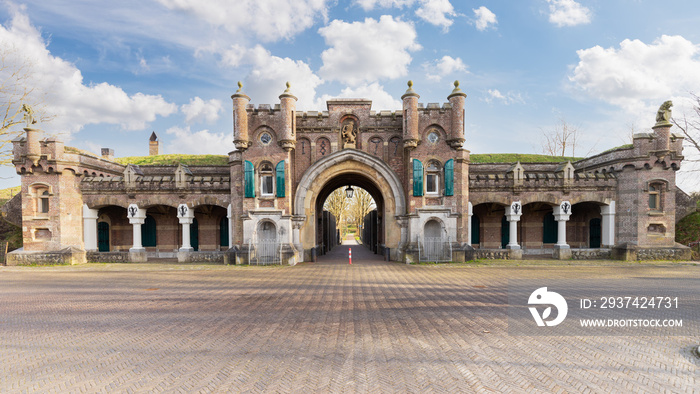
(350, 255)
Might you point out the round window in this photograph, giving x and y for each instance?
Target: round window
(433, 137)
(265, 138)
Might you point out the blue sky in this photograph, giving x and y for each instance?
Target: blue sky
(111, 72)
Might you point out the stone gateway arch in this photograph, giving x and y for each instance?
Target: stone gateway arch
(264, 204)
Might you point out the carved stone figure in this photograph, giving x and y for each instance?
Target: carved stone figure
(663, 116)
(28, 114)
(349, 132)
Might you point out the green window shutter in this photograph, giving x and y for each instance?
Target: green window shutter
(279, 172)
(450, 178)
(249, 179)
(417, 178)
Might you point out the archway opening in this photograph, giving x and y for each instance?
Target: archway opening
(351, 207)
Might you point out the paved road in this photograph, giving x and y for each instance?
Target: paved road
(324, 327)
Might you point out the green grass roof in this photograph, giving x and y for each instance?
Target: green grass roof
(521, 157)
(193, 160)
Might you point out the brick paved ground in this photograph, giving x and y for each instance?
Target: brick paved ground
(324, 327)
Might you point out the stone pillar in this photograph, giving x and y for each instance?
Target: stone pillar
(137, 217)
(411, 134)
(33, 144)
(662, 128)
(230, 226)
(240, 119)
(297, 223)
(562, 213)
(608, 225)
(513, 213)
(456, 133)
(186, 216)
(470, 213)
(288, 105)
(90, 228)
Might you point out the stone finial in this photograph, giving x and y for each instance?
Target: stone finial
(663, 115)
(410, 91)
(456, 91)
(288, 92)
(239, 93)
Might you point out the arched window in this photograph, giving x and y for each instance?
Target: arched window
(43, 202)
(267, 186)
(432, 178)
(148, 232)
(40, 194)
(655, 197)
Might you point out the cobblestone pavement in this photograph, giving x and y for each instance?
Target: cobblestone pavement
(324, 327)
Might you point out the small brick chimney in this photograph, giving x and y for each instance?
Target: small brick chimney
(108, 153)
(153, 148)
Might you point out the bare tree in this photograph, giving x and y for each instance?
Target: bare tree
(337, 204)
(690, 127)
(362, 203)
(562, 137)
(16, 90)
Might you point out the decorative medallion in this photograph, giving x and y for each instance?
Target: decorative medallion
(265, 138)
(433, 137)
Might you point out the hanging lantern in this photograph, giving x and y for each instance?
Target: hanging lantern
(348, 191)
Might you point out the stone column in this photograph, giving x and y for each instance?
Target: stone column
(411, 135)
(470, 213)
(90, 228)
(297, 223)
(186, 216)
(230, 226)
(513, 213)
(240, 119)
(608, 225)
(456, 133)
(562, 213)
(137, 217)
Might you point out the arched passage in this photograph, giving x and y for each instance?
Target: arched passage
(354, 168)
(357, 182)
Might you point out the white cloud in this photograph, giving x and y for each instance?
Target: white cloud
(202, 142)
(59, 85)
(637, 76)
(568, 13)
(199, 110)
(381, 100)
(270, 73)
(484, 18)
(367, 51)
(507, 99)
(269, 20)
(369, 5)
(443, 67)
(436, 12)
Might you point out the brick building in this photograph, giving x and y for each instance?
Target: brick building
(266, 204)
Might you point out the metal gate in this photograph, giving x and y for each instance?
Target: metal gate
(437, 249)
(264, 251)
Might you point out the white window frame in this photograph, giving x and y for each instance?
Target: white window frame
(264, 174)
(435, 173)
